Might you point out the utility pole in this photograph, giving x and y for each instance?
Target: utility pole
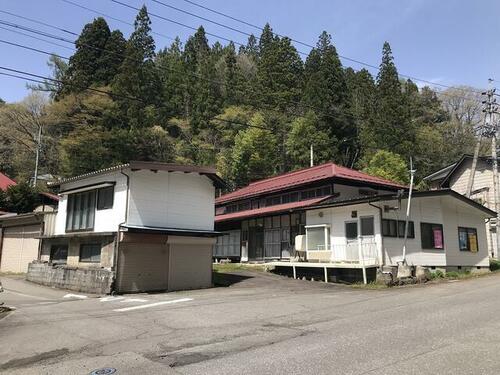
(491, 128)
(312, 156)
(38, 142)
(408, 208)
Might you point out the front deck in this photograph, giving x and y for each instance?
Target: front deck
(324, 265)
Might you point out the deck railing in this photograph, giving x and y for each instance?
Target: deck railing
(357, 252)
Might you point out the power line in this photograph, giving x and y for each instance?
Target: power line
(110, 93)
(292, 39)
(37, 38)
(38, 32)
(174, 22)
(112, 17)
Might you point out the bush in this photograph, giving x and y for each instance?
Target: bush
(494, 265)
(453, 275)
(437, 275)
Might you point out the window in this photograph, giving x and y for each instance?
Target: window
(389, 228)
(58, 254)
(367, 226)
(105, 197)
(467, 239)
(294, 197)
(396, 228)
(401, 229)
(80, 211)
(351, 230)
(432, 236)
(90, 253)
(318, 237)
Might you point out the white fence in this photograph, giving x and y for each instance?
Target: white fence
(359, 252)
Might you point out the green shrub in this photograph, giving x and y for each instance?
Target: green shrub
(494, 265)
(453, 275)
(437, 275)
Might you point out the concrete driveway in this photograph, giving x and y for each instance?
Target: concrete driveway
(261, 324)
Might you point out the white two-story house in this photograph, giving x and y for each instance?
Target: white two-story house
(140, 226)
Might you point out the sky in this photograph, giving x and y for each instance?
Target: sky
(449, 42)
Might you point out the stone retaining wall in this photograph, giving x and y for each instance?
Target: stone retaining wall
(86, 280)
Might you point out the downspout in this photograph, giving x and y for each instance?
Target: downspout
(381, 233)
(117, 240)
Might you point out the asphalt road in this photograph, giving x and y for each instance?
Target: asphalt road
(262, 324)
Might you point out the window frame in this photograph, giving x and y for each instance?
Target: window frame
(98, 198)
(325, 228)
(73, 212)
(399, 232)
(422, 224)
(52, 251)
(82, 245)
(361, 226)
(357, 229)
(467, 231)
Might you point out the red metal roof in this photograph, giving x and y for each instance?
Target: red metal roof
(5, 182)
(303, 176)
(269, 210)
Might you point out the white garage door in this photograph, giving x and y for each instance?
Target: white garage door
(19, 248)
(142, 267)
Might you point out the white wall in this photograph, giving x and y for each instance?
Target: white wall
(336, 217)
(438, 210)
(445, 210)
(172, 200)
(105, 220)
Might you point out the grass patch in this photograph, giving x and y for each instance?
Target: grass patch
(234, 267)
(372, 285)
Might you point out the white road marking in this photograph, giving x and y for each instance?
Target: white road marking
(135, 300)
(80, 296)
(111, 298)
(153, 304)
(24, 295)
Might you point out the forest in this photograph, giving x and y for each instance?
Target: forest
(251, 112)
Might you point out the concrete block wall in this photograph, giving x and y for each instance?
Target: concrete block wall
(87, 280)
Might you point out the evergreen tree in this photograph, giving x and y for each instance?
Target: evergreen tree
(362, 90)
(326, 92)
(393, 129)
(138, 77)
(204, 96)
(84, 65)
(111, 58)
(280, 71)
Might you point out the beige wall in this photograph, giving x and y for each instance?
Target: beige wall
(158, 262)
(19, 247)
(74, 243)
(190, 263)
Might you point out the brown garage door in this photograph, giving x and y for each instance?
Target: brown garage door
(142, 267)
(19, 248)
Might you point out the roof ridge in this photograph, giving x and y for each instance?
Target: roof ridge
(291, 173)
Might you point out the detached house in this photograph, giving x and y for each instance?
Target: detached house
(140, 226)
(456, 177)
(343, 221)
